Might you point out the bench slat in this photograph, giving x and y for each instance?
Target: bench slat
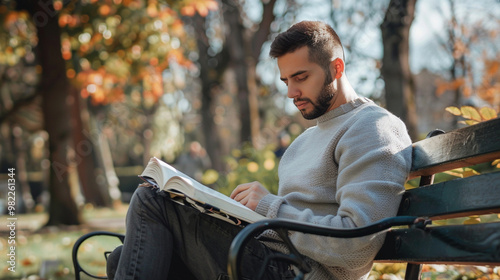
(478, 244)
(459, 148)
(456, 198)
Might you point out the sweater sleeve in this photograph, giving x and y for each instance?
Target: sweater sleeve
(373, 155)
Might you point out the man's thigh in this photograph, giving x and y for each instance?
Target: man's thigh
(202, 242)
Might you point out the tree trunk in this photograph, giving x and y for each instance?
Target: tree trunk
(243, 53)
(95, 182)
(458, 62)
(399, 84)
(258, 39)
(54, 89)
(209, 77)
(236, 43)
(86, 141)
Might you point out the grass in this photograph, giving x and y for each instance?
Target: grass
(45, 253)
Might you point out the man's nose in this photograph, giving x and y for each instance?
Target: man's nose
(293, 92)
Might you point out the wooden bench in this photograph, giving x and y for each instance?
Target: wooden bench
(418, 242)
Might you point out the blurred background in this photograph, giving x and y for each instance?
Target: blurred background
(90, 90)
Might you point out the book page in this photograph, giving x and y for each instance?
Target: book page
(169, 178)
(213, 198)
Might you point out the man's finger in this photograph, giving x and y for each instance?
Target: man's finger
(238, 189)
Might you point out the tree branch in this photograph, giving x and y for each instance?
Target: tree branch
(262, 33)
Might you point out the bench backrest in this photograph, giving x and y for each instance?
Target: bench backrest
(462, 197)
(421, 243)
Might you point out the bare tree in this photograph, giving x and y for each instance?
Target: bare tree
(467, 43)
(399, 84)
(240, 52)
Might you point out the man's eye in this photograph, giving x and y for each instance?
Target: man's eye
(300, 79)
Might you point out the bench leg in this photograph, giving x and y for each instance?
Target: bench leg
(413, 271)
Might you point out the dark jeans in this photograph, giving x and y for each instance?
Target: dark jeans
(166, 240)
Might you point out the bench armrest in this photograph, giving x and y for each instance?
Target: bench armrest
(282, 227)
(79, 242)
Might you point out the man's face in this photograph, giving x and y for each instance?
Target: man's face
(312, 91)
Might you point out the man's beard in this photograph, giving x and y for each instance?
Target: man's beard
(322, 103)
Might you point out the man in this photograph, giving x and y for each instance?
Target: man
(194, 161)
(345, 172)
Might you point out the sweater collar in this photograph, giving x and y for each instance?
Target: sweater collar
(342, 109)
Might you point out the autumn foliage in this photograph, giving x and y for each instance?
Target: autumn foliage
(126, 45)
(112, 47)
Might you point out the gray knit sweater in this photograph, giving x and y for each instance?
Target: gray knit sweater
(347, 171)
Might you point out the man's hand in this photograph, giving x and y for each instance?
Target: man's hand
(249, 194)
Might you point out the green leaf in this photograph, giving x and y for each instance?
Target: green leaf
(454, 110)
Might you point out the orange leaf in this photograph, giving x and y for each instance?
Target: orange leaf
(492, 67)
(202, 9)
(26, 262)
(152, 10)
(200, 6)
(104, 10)
(10, 18)
(188, 11)
(443, 86)
(58, 5)
(467, 91)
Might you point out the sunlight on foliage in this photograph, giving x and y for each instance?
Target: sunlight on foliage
(462, 172)
(486, 89)
(111, 47)
(117, 46)
(18, 37)
(473, 115)
(209, 177)
(247, 165)
(202, 7)
(396, 271)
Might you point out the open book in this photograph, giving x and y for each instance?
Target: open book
(186, 190)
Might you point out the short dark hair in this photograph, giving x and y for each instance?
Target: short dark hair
(323, 42)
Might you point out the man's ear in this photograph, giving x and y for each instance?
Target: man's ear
(337, 68)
